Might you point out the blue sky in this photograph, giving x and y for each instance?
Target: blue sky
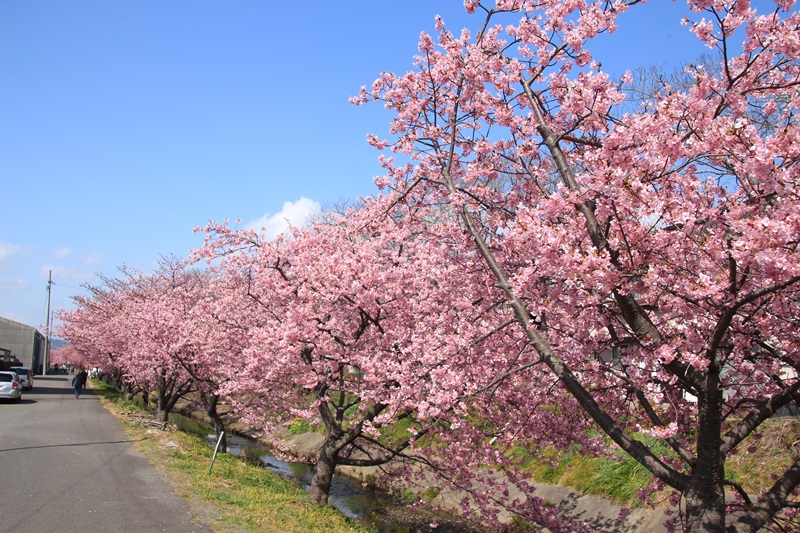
(125, 124)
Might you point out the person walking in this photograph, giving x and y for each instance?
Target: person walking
(79, 381)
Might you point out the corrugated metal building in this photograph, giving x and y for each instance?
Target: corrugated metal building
(24, 342)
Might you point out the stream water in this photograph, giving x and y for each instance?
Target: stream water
(349, 496)
(365, 504)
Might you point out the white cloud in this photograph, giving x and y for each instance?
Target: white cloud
(70, 276)
(94, 259)
(7, 250)
(11, 284)
(293, 214)
(62, 252)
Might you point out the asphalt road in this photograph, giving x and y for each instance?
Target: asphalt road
(67, 466)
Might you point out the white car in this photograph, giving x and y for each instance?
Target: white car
(25, 376)
(10, 386)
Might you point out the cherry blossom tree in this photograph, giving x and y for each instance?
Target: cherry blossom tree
(93, 330)
(213, 346)
(67, 355)
(649, 254)
(159, 333)
(134, 324)
(156, 309)
(356, 323)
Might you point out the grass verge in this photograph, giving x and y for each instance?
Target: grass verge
(619, 479)
(236, 496)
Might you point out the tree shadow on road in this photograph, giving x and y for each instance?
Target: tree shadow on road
(71, 444)
(54, 385)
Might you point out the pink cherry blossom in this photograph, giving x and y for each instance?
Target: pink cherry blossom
(648, 254)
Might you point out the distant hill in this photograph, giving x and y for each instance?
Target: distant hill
(56, 343)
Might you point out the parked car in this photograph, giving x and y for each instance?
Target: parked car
(10, 386)
(25, 376)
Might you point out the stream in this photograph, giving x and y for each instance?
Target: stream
(350, 497)
(387, 514)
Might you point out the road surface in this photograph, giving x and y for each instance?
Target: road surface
(66, 465)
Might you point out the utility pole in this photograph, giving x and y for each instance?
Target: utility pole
(45, 362)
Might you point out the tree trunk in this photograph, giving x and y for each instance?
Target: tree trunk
(219, 426)
(146, 399)
(323, 475)
(705, 511)
(705, 497)
(162, 409)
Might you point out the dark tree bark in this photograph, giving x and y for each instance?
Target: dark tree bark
(211, 401)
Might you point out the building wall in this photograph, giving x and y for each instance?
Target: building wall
(24, 342)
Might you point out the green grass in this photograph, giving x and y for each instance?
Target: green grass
(188, 425)
(235, 496)
(300, 426)
(617, 478)
(620, 478)
(114, 395)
